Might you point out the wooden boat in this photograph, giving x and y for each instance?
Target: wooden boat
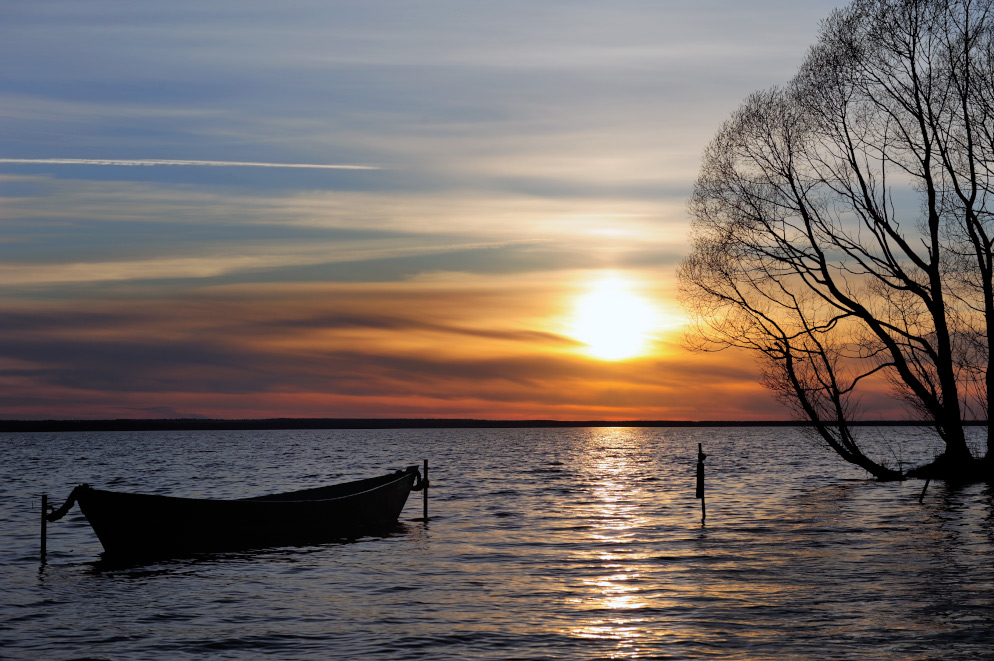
(142, 525)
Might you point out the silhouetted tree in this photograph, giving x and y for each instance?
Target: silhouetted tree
(843, 226)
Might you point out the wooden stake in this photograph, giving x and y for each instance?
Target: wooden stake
(44, 525)
(424, 493)
(922, 496)
(700, 481)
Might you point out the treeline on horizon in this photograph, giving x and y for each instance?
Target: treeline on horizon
(206, 424)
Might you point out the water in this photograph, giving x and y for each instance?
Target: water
(543, 544)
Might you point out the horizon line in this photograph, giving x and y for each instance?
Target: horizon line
(193, 424)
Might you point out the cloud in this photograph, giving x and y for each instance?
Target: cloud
(561, 97)
(266, 258)
(76, 231)
(151, 162)
(428, 348)
(361, 208)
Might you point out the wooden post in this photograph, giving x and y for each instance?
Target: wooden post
(424, 493)
(925, 488)
(44, 525)
(700, 480)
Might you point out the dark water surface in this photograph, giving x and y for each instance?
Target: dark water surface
(543, 543)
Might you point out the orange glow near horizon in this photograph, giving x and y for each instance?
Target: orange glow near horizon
(436, 346)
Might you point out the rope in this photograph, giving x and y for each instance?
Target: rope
(421, 483)
(62, 511)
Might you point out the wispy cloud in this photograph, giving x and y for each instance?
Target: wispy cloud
(155, 161)
(215, 264)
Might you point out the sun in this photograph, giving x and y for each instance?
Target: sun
(613, 321)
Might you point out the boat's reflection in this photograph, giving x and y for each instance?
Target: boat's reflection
(143, 567)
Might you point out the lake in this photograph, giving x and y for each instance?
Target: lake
(567, 543)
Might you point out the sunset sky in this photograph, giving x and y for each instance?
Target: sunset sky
(484, 216)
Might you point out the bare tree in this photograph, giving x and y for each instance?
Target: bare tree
(843, 226)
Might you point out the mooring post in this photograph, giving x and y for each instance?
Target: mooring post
(921, 497)
(424, 493)
(44, 525)
(700, 480)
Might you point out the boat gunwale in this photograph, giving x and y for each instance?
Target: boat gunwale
(274, 498)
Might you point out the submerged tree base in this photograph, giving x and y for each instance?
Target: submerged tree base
(957, 470)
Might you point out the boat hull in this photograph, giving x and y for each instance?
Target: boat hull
(144, 525)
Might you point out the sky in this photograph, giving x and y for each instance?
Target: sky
(439, 209)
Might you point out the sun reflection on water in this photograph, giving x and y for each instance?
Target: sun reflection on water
(614, 594)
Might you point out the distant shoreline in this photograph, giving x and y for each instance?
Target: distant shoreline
(204, 424)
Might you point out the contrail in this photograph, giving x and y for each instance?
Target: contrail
(147, 162)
